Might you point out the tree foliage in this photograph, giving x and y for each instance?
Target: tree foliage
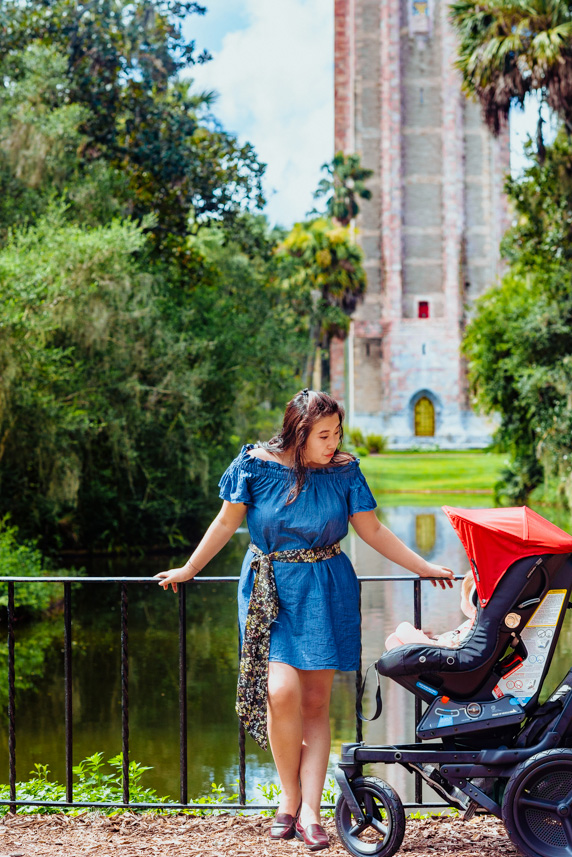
(119, 66)
(118, 387)
(343, 184)
(509, 48)
(321, 268)
(140, 311)
(519, 342)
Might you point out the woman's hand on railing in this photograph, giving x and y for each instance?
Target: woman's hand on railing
(443, 574)
(175, 576)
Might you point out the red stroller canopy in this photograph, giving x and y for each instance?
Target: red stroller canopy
(495, 538)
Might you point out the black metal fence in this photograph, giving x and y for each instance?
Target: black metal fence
(125, 582)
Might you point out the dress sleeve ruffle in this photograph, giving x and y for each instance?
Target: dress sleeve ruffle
(361, 499)
(234, 483)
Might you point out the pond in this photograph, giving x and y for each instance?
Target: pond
(212, 665)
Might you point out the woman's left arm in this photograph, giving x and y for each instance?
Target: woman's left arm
(386, 543)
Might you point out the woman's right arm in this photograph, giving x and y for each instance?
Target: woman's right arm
(218, 534)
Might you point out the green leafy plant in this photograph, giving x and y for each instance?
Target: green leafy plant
(217, 795)
(94, 783)
(375, 443)
(271, 792)
(356, 437)
(23, 558)
(330, 795)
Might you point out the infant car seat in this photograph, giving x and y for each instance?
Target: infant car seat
(510, 647)
(485, 742)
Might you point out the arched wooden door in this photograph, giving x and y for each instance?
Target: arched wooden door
(424, 417)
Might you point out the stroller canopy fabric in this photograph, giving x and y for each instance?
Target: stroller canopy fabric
(495, 538)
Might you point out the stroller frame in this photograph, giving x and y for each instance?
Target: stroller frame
(503, 755)
(458, 766)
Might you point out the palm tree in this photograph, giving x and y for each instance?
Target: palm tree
(511, 47)
(344, 182)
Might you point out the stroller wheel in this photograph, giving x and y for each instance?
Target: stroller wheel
(383, 832)
(537, 805)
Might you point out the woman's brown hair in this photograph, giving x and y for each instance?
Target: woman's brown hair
(301, 414)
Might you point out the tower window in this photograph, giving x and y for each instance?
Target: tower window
(423, 309)
(424, 418)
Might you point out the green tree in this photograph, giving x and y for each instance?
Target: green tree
(509, 48)
(321, 268)
(134, 343)
(343, 185)
(519, 342)
(119, 68)
(118, 388)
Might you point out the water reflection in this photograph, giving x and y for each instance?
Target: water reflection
(212, 667)
(425, 533)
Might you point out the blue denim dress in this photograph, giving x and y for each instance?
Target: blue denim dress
(318, 623)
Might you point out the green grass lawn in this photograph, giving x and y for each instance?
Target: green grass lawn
(438, 478)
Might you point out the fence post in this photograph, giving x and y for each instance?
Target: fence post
(11, 698)
(68, 691)
(183, 691)
(418, 624)
(359, 679)
(125, 692)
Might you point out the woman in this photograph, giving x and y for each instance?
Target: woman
(298, 593)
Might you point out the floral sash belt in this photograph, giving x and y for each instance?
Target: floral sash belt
(252, 690)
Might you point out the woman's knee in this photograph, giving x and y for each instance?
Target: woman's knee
(315, 706)
(316, 698)
(283, 688)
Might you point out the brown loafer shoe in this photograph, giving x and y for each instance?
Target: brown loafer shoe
(284, 825)
(314, 836)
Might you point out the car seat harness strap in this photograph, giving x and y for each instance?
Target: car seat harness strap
(378, 702)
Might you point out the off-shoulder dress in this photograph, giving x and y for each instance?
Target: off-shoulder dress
(318, 624)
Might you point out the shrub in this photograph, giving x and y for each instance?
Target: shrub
(356, 437)
(24, 559)
(375, 443)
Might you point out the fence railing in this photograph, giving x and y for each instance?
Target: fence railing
(13, 802)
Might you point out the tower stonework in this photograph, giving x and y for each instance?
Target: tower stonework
(431, 231)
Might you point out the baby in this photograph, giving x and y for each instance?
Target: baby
(405, 633)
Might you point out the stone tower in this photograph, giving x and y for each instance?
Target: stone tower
(431, 231)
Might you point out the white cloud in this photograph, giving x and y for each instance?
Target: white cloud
(275, 80)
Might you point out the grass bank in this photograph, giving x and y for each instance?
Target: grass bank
(434, 478)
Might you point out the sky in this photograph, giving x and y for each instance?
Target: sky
(272, 68)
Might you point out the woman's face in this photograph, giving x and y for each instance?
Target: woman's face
(322, 442)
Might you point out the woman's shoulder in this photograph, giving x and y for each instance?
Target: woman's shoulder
(258, 460)
(261, 453)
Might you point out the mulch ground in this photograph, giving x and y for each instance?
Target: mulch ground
(132, 835)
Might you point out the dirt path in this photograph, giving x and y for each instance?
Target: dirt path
(127, 835)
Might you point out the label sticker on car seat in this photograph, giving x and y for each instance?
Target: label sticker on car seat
(548, 611)
(524, 681)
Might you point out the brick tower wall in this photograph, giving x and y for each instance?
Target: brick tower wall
(431, 231)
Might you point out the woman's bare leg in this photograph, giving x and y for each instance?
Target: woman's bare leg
(285, 730)
(316, 686)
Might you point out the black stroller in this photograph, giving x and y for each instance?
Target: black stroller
(489, 743)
